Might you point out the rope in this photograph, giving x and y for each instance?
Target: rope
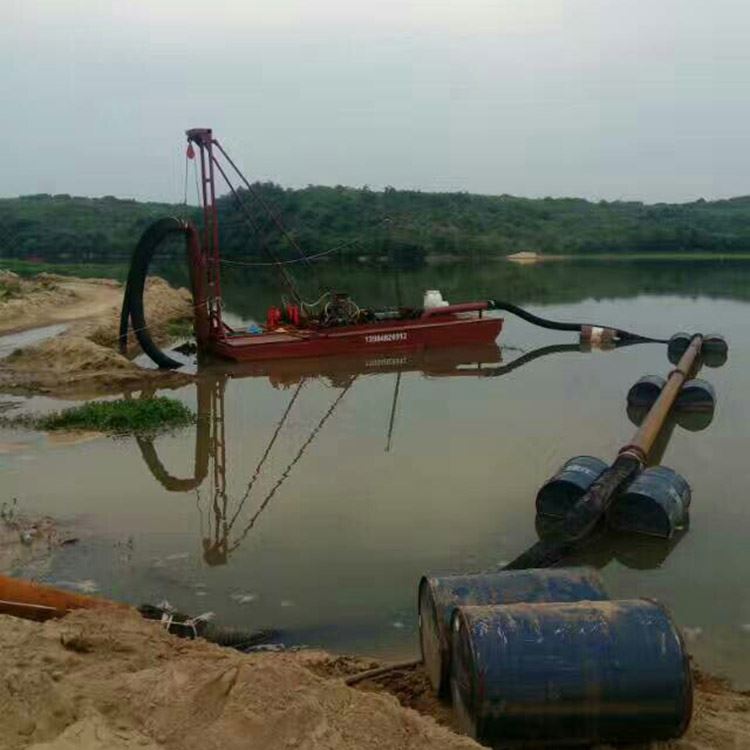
(184, 198)
(281, 262)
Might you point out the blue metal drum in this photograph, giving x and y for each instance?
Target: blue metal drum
(656, 502)
(558, 495)
(439, 596)
(696, 395)
(560, 674)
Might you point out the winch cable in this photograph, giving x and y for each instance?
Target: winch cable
(266, 207)
(556, 325)
(285, 275)
(132, 303)
(287, 471)
(267, 452)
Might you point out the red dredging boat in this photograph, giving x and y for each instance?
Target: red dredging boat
(334, 325)
(447, 326)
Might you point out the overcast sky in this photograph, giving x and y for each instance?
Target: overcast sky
(614, 99)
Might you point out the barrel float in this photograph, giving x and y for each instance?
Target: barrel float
(677, 346)
(558, 495)
(644, 392)
(439, 596)
(696, 395)
(569, 673)
(714, 350)
(656, 502)
(642, 552)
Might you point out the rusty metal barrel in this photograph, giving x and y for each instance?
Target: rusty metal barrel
(560, 493)
(439, 596)
(656, 502)
(559, 674)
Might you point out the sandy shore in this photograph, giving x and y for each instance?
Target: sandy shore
(82, 360)
(48, 298)
(98, 680)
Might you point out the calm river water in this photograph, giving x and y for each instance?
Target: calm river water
(321, 523)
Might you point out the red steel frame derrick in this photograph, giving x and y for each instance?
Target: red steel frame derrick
(209, 251)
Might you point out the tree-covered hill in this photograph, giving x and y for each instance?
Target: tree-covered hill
(363, 222)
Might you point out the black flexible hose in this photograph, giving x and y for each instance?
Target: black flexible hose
(132, 303)
(557, 325)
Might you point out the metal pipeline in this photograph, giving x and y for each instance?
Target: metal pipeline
(35, 601)
(643, 440)
(584, 516)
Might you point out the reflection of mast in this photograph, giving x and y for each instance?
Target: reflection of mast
(215, 548)
(211, 446)
(393, 411)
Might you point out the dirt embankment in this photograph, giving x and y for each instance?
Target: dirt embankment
(83, 360)
(99, 679)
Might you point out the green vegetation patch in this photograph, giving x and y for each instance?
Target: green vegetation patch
(120, 417)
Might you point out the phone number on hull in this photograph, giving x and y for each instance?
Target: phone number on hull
(378, 338)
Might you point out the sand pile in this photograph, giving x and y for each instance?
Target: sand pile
(104, 680)
(73, 366)
(66, 354)
(84, 360)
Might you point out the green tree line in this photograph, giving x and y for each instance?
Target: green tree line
(401, 225)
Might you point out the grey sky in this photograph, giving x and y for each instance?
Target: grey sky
(632, 99)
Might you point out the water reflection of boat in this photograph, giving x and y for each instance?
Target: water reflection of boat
(224, 527)
(452, 362)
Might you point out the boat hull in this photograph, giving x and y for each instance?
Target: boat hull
(400, 335)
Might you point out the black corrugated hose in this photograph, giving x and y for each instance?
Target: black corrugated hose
(132, 302)
(556, 325)
(183, 626)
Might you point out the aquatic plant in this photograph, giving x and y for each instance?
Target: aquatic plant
(122, 416)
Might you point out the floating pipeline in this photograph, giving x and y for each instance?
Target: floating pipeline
(569, 673)
(594, 333)
(439, 596)
(582, 519)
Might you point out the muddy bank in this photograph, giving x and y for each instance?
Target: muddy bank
(108, 680)
(83, 360)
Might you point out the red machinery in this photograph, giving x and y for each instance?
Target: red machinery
(340, 327)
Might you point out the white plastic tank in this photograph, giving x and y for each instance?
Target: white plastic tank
(433, 298)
